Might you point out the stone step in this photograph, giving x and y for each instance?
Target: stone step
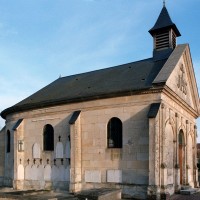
(189, 191)
(100, 194)
(186, 187)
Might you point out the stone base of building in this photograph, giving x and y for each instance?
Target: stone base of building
(153, 192)
(40, 185)
(160, 193)
(129, 191)
(164, 196)
(161, 196)
(7, 182)
(1, 181)
(152, 197)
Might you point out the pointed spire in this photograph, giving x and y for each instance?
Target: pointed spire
(164, 33)
(164, 22)
(163, 3)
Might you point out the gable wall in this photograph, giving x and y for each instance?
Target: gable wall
(180, 81)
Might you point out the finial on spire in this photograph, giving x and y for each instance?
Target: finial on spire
(163, 3)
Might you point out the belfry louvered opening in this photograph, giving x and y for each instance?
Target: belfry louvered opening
(162, 40)
(173, 39)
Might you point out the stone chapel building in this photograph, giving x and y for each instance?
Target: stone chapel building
(131, 126)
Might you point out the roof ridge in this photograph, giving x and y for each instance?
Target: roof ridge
(106, 68)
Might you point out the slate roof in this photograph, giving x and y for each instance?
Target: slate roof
(110, 82)
(164, 22)
(166, 71)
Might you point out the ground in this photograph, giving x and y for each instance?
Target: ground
(186, 197)
(10, 194)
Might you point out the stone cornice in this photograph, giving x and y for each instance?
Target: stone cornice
(156, 89)
(188, 61)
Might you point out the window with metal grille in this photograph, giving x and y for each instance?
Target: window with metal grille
(114, 133)
(48, 138)
(8, 142)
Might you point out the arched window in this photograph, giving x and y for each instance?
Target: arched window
(48, 138)
(181, 137)
(8, 142)
(114, 133)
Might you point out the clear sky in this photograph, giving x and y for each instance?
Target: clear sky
(43, 39)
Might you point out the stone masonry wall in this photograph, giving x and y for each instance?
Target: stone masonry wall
(125, 168)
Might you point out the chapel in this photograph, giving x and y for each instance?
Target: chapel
(131, 127)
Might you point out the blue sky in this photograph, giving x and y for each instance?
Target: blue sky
(43, 39)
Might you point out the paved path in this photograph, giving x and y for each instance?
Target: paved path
(186, 197)
(9, 194)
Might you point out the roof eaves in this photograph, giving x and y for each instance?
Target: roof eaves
(17, 124)
(57, 102)
(153, 111)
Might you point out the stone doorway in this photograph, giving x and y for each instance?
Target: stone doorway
(181, 155)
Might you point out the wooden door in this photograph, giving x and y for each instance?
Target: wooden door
(181, 163)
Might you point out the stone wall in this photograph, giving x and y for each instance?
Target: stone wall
(176, 120)
(2, 154)
(125, 168)
(166, 170)
(107, 166)
(143, 163)
(9, 156)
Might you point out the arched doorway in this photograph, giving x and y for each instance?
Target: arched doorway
(181, 154)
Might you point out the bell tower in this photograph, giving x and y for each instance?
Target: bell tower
(164, 34)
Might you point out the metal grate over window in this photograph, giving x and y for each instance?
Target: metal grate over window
(48, 138)
(114, 133)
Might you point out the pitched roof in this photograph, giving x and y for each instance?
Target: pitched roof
(164, 21)
(110, 82)
(166, 71)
